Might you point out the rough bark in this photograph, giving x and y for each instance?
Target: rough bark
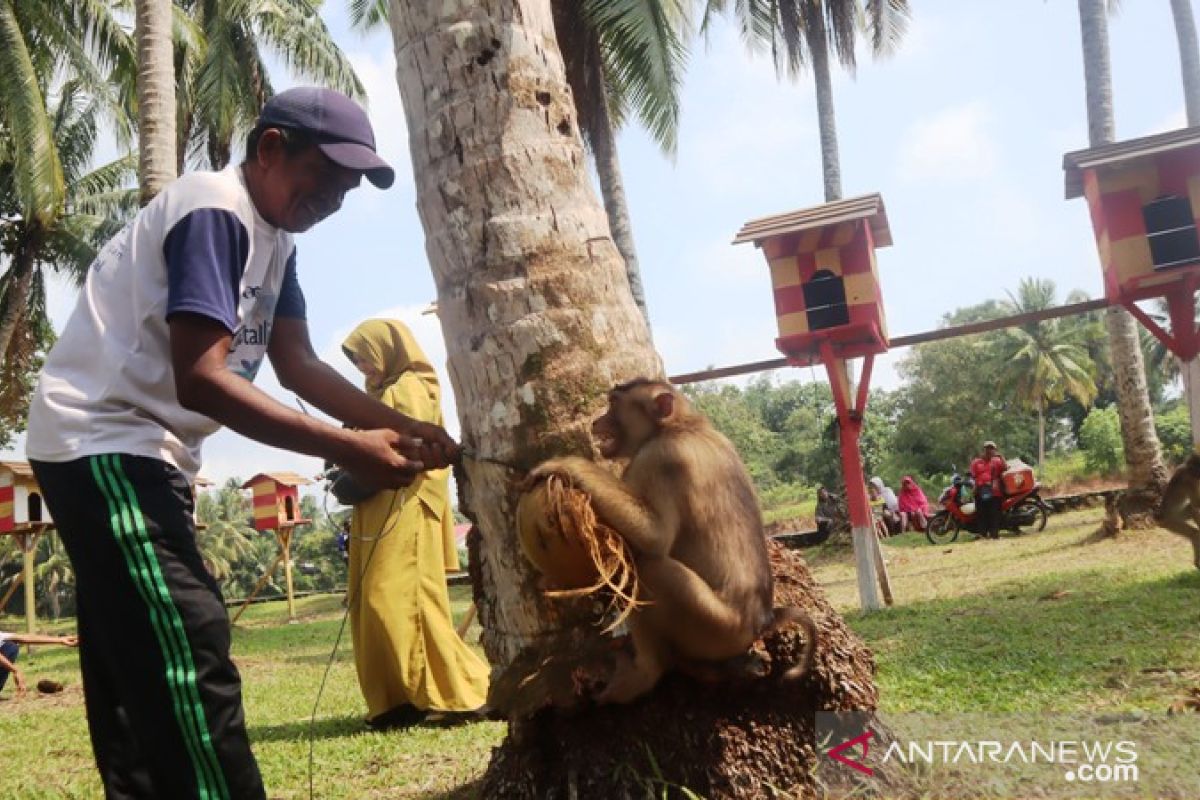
(831, 167)
(157, 158)
(616, 207)
(1189, 57)
(1189, 67)
(1143, 455)
(532, 292)
(16, 297)
(539, 323)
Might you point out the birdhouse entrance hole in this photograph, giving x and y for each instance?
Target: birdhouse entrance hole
(1171, 232)
(825, 301)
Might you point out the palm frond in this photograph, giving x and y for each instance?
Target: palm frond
(887, 22)
(37, 174)
(642, 44)
(367, 15)
(296, 33)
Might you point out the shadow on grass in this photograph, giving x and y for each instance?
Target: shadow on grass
(323, 728)
(469, 791)
(1050, 641)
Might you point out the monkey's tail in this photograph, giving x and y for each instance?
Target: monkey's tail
(786, 616)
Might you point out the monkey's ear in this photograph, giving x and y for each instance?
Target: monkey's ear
(664, 405)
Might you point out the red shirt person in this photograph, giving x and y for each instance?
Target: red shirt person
(987, 471)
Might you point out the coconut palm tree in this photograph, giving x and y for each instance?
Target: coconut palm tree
(800, 33)
(54, 576)
(623, 58)
(221, 74)
(77, 41)
(63, 237)
(539, 324)
(1045, 361)
(1143, 453)
(157, 158)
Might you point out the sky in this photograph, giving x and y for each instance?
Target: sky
(962, 131)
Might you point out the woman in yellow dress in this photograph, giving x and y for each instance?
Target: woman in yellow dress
(410, 660)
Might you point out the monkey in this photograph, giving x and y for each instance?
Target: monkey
(689, 513)
(1179, 510)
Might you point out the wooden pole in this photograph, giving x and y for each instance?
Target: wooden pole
(28, 542)
(284, 535)
(885, 582)
(258, 587)
(906, 341)
(12, 590)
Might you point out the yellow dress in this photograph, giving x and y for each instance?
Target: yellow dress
(405, 645)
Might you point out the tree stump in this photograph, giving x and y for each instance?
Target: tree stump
(728, 741)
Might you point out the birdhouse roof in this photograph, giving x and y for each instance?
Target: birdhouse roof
(868, 207)
(19, 468)
(1122, 153)
(282, 478)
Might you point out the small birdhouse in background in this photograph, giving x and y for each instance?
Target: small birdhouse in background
(20, 498)
(276, 499)
(1144, 199)
(824, 277)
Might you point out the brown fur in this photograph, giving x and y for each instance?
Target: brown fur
(1179, 510)
(687, 508)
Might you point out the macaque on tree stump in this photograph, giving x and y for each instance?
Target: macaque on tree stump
(688, 511)
(1179, 510)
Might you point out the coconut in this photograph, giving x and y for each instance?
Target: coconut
(575, 552)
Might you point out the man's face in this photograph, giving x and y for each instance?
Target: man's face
(989, 452)
(300, 190)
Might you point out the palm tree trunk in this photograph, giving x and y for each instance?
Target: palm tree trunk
(1189, 57)
(538, 326)
(156, 97)
(1189, 66)
(16, 295)
(1143, 457)
(612, 189)
(831, 168)
(1041, 433)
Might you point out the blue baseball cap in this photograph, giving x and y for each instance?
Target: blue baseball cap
(339, 125)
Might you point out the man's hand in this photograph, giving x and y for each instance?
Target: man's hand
(436, 449)
(18, 679)
(71, 641)
(383, 458)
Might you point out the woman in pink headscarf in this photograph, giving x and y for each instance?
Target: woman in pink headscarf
(914, 507)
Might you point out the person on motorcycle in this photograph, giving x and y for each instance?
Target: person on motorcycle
(987, 470)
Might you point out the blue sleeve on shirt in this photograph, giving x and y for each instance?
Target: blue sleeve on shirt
(206, 254)
(291, 300)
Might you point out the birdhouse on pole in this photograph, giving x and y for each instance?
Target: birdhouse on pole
(20, 498)
(824, 277)
(1144, 199)
(829, 308)
(276, 499)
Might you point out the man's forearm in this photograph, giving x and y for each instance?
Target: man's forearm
(324, 387)
(237, 404)
(34, 638)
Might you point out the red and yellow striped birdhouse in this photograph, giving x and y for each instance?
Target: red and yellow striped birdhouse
(1144, 199)
(20, 498)
(276, 499)
(824, 277)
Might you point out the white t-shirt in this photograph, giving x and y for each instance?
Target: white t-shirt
(108, 385)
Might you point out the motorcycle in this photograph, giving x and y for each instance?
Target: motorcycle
(1021, 508)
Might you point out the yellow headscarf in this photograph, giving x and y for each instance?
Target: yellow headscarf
(389, 346)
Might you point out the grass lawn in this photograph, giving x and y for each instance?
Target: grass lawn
(1030, 633)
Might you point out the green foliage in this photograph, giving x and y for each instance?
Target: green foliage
(1100, 438)
(1175, 433)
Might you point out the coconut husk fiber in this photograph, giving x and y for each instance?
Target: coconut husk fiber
(746, 741)
(576, 554)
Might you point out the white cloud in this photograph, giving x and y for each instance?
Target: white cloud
(954, 144)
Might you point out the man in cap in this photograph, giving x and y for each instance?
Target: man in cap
(177, 314)
(988, 470)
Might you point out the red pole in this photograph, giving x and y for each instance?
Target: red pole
(849, 426)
